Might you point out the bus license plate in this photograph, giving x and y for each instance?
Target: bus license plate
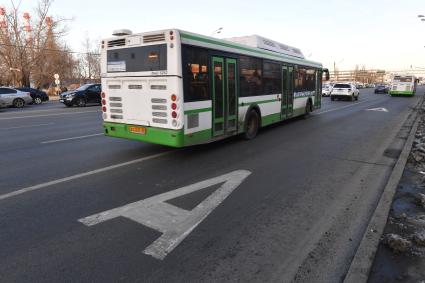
(137, 130)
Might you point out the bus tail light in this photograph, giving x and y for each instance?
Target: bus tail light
(103, 102)
(103, 94)
(174, 114)
(173, 97)
(104, 108)
(173, 106)
(174, 123)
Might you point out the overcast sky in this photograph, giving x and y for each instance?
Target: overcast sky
(376, 33)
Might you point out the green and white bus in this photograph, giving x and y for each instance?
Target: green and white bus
(403, 85)
(177, 88)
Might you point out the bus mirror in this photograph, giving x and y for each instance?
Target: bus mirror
(326, 71)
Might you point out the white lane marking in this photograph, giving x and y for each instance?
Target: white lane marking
(72, 138)
(343, 107)
(173, 222)
(28, 126)
(380, 109)
(81, 175)
(48, 115)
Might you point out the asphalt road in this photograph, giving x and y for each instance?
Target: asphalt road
(293, 205)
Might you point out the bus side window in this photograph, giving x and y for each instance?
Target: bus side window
(195, 75)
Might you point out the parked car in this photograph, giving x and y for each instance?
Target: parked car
(89, 93)
(381, 89)
(13, 97)
(326, 90)
(346, 91)
(38, 96)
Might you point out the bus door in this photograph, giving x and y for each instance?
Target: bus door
(318, 93)
(224, 95)
(287, 91)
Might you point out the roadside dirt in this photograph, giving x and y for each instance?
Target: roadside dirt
(401, 252)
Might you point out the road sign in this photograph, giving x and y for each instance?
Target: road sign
(380, 109)
(56, 76)
(57, 82)
(173, 222)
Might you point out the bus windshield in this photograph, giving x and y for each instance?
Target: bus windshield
(137, 59)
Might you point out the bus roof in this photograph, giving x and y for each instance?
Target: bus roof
(236, 47)
(294, 56)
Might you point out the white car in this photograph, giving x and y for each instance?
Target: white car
(345, 91)
(326, 90)
(13, 97)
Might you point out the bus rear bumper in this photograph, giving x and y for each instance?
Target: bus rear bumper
(173, 138)
(401, 93)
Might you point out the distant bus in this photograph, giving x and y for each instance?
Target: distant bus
(177, 88)
(403, 85)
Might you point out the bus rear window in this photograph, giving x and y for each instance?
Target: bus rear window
(342, 86)
(138, 59)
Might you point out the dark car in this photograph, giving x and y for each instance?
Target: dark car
(85, 94)
(381, 89)
(37, 95)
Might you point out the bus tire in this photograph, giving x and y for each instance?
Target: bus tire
(252, 124)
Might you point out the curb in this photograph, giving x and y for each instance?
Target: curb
(365, 255)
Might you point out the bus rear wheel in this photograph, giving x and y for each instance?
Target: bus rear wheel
(252, 124)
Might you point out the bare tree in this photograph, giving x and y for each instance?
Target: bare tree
(30, 47)
(89, 61)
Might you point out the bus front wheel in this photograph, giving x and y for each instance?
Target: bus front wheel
(252, 124)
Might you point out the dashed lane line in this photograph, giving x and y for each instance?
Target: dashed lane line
(47, 115)
(72, 138)
(81, 175)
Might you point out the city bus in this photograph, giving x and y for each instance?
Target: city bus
(178, 88)
(403, 85)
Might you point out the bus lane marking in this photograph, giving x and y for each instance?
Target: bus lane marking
(379, 109)
(173, 222)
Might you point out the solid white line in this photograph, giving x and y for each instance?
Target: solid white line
(346, 106)
(47, 115)
(29, 126)
(72, 138)
(81, 175)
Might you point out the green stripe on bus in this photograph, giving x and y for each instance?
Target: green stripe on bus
(257, 102)
(401, 92)
(174, 138)
(269, 53)
(194, 111)
(198, 137)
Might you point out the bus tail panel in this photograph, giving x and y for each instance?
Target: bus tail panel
(168, 137)
(174, 138)
(401, 93)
